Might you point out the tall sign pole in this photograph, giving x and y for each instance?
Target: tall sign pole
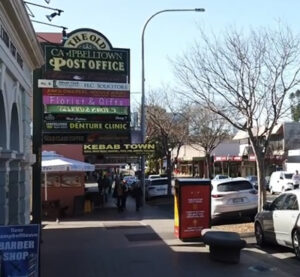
(143, 113)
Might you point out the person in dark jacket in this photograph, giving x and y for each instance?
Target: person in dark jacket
(100, 190)
(137, 193)
(118, 192)
(105, 182)
(124, 188)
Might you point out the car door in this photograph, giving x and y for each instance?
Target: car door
(286, 219)
(268, 217)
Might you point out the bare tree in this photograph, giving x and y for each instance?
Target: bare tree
(244, 77)
(207, 130)
(167, 125)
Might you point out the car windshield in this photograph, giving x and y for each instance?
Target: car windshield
(288, 175)
(221, 177)
(154, 176)
(157, 182)
(129, 178)
(234, 186)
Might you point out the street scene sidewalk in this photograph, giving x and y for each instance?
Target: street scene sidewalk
(111, 243)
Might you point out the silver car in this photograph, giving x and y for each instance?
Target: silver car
(279, 221)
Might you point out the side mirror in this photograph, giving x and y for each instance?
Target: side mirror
(281, 177)
(267, 206)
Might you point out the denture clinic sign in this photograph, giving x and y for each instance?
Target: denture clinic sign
(78, 81)
(19, 250)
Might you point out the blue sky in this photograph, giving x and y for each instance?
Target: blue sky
(167, 35)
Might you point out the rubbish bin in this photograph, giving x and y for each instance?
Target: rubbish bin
(192, 207)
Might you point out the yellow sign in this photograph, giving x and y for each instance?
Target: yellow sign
(88, 39)
(138, 149)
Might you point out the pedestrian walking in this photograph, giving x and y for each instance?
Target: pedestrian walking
(105, 182)
(110, 181)
(296, 177)
(137, 193)
(124, 189)
(100, 189)
(118, 192)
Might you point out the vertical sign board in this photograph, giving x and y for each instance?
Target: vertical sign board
(192, 207)
(19, 250)
(84, 77)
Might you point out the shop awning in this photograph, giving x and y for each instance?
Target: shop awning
(52, 162)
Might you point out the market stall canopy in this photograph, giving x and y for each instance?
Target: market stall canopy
(52, 162)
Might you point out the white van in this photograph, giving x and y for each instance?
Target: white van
(281, 181)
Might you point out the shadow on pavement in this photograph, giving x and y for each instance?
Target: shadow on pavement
(158, 208)
(139, 249)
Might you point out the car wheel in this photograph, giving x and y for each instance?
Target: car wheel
(259, 234)
(296, 245)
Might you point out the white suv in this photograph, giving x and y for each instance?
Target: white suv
(156, 187)
(233, 196)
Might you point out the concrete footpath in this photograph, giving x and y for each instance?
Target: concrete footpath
(110, 244)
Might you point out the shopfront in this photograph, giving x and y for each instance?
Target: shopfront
(228, 165)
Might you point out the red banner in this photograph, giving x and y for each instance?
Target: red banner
(85, 93)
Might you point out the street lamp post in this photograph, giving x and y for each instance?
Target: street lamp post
(143, 115)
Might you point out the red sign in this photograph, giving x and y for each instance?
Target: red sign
(227, 158)
(252, 158)
(194, 210)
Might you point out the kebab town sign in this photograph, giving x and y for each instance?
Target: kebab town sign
(137, 149)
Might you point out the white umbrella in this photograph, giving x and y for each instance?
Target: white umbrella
(52, 162)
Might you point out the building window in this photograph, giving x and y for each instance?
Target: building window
(11, 46)
(4, 36)
(19, 60)
(13, 49)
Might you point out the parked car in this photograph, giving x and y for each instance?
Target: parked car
(153, 176)
(220, 177)
(281, 181)
(129, 180)
(267, 183)
(253, 180)
(156, 187)
(279, 221)
(233, 196)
